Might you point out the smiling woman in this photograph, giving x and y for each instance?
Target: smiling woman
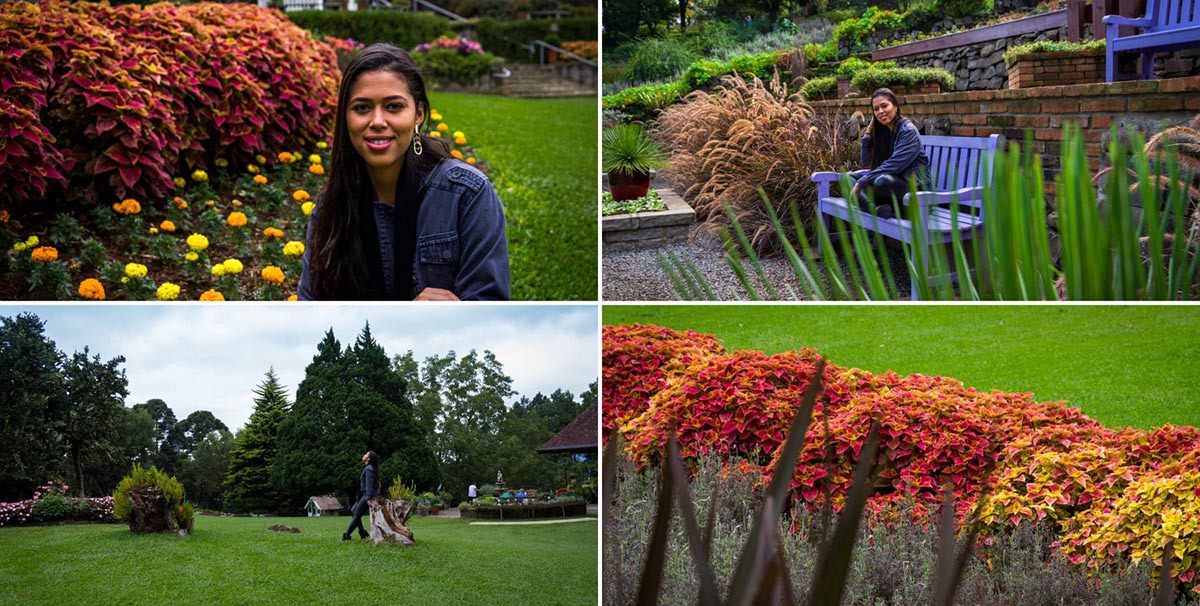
(399, 217)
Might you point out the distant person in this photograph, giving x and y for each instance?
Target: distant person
(368, 488)
(472, 492)
(749, 22)
(522, 495)
(892, 153)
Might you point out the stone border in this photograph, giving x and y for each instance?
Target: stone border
(645, 227)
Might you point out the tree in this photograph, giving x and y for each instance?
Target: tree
(30, 403)
(473, 395)
(203, 474)
(133, 442)
(94, 395)
(164, 456)
(248, 485)
(350, 402)
(623, 18)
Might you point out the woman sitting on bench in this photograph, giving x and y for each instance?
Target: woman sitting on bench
(892, 153)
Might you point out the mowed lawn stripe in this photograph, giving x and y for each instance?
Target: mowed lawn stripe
(1130, 366)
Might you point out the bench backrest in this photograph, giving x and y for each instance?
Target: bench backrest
(1170, 14)
(958, 162)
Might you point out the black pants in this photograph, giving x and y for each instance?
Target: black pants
(882, 190)
(356, 514)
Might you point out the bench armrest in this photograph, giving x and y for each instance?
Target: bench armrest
(1117, 20)
(825, 177)
(969, 196)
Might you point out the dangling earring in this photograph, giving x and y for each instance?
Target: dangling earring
(417, 148)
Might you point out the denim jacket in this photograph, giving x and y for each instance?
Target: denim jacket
(908, 156)
(461, 244)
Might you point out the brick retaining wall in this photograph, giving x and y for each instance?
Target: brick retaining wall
(1147, 106)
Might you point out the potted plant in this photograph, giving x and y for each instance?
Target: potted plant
(551, 54)
(629, 156)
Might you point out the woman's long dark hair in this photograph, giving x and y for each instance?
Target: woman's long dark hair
(373, 461)
(881, 141)
(343, 229)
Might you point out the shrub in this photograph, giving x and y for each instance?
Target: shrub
(751, 134)
(401, 28)
(1051, 46)
(961, 8)
(454, 60)
(644, 102)
(709, 37)
(820, 88)
(139, 477)
(853, 65)
(882, 77)
(702, 73)
(853, 32)
(657, 59)
(53, 507)
(505, 38)
(399, 491)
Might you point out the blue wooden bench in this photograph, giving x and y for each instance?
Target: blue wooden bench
(958, 167)
(1168, 25)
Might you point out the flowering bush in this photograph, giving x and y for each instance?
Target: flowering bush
(456, 60)
(462, 46)
(50, 503)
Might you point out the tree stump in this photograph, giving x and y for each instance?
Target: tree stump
(387, 521)
(148, 511)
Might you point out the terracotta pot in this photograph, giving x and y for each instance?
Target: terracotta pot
(628, 186)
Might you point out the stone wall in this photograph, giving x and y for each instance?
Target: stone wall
(978, 66)
(1146, 106)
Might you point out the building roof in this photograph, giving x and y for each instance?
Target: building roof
(325, 503)
(579, 436)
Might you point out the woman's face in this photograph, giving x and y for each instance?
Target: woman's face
(381, 117)
(366, 458)
(885, 111)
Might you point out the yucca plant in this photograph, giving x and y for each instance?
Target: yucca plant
(1107, 251)
(629, 155)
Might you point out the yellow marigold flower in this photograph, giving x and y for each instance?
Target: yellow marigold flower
(91, 288)
(124, 279)
(286, 157)
(167, 226)
(179, 181)
(250, 168)
(153, 230)
(442, 127)
(192, 256)
(44, 254)
(259, 179)
(20, 246)
(293, 298)
(235, 203)
(210, 203)
(212, 295)
(293, 248)
(218, 269)
(314, 159)
(180, 203)
(273, 274)
(232, 266)
(316, 169)
(471, 161)
(221, 162)
(199, 175)
(261, 159)
(307, 208)
(236, 219)
(322, 145)
(456, 154)
(137, 271)
(273, 232)
(435, 134)
(32, 241)
(460, 140)
(300, 195)
(167, 292)
(435, 116)
(128, 207)
(458, 134)
(197, 242)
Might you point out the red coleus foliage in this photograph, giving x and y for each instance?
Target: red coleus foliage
(109, 102)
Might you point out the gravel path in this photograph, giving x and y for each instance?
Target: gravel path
(633, 273)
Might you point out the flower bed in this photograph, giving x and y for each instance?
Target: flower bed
(50, 504)
(525, 512)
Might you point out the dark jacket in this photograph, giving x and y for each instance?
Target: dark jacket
(461, 244)
(908, 156)
(366, 483)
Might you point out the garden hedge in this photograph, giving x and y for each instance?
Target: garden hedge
(400, 28)
(108, 102)
(1114, 494)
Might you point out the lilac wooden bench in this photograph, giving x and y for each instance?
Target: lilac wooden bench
(1168, 25)
(958, 166)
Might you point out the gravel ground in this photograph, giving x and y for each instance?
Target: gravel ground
(633, 273)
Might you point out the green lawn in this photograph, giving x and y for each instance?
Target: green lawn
(238, 561)
(1133, 366)
(543, 159)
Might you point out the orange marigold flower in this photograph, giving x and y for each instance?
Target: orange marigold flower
(167, 226)
(471, 161)
(316, 169)
(212, 295)
(236, 219)
(91, 288)
(259, 179)
(300, 195)
(272, 274)
(4, 216)
(273, 232)
(180, 203)
(44, 254)
(293, 298)
(286, 157)
(456, 154)
(128, 207)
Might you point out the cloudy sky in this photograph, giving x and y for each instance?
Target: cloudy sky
(211, 357)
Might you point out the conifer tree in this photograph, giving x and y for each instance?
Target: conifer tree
(248, 484)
